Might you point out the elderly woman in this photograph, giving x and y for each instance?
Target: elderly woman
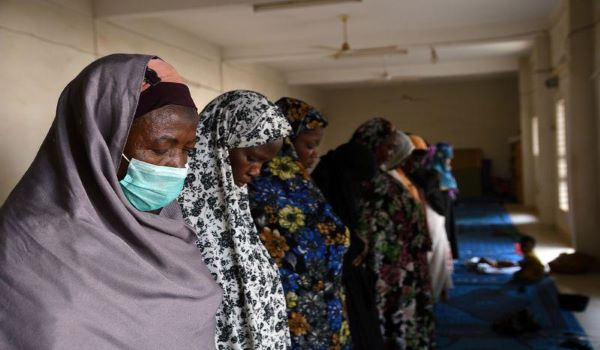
(303, 235)
(393, 222)
(238, 132)
(95, 253)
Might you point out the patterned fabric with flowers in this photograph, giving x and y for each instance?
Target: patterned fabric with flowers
(253, 312)
(394, 225)
(307, 241)
(372, 133)
(301, 115)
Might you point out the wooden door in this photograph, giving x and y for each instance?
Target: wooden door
(516, 169)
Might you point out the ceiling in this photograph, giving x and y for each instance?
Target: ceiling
(444, 38)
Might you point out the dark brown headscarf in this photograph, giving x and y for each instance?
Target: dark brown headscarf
(80, 267)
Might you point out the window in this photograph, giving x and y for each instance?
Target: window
(561, 153)
(535, 137)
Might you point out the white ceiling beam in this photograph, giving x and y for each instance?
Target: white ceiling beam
(141, 8)
(284, 55)
(280, 54)
(437, 38)
(408, 71)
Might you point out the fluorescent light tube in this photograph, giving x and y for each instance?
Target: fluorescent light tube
(287, 4)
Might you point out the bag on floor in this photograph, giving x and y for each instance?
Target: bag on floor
(572, 263)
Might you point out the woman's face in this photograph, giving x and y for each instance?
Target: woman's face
(246, 162)
(306, 145)
(162, 137)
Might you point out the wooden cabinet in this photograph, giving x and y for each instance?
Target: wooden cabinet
(516, 171)
(467, 169)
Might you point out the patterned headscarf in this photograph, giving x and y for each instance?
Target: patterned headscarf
(302, 116)
(308, 242)
(443, 152)
(253, 312)
(373, 132)
(402, 148)
(162, 86)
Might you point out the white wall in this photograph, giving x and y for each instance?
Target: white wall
(43, 46)
(582, 140)
(545, 188)
(46, 43)
(526, 116)
(559, 37)
(570, 51)
(476, 113)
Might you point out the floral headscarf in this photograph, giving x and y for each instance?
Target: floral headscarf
(373, 132)
(301, 115)
(253, 312)
(443, 152)
(308, 242)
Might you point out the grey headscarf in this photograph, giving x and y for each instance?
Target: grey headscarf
(80, 267)
(401, 149)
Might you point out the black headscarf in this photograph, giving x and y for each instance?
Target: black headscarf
(339, 175)
(429, 181)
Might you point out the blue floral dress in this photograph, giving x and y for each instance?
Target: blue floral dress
(307, 241)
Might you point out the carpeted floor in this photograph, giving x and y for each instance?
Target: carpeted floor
(465, 320)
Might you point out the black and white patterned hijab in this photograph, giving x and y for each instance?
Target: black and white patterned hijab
(253, 312)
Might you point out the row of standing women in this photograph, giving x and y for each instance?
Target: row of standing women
(97, 239)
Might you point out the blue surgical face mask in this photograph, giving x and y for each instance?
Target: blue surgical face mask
(149, 187)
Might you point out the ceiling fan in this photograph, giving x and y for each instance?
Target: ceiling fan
(345, 51)
(385, 75)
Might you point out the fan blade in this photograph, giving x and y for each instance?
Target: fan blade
(372, 51)
(323, 47)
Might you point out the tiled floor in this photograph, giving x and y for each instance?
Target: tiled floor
(550, 244)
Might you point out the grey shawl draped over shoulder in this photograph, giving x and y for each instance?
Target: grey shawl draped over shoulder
(80, 267)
